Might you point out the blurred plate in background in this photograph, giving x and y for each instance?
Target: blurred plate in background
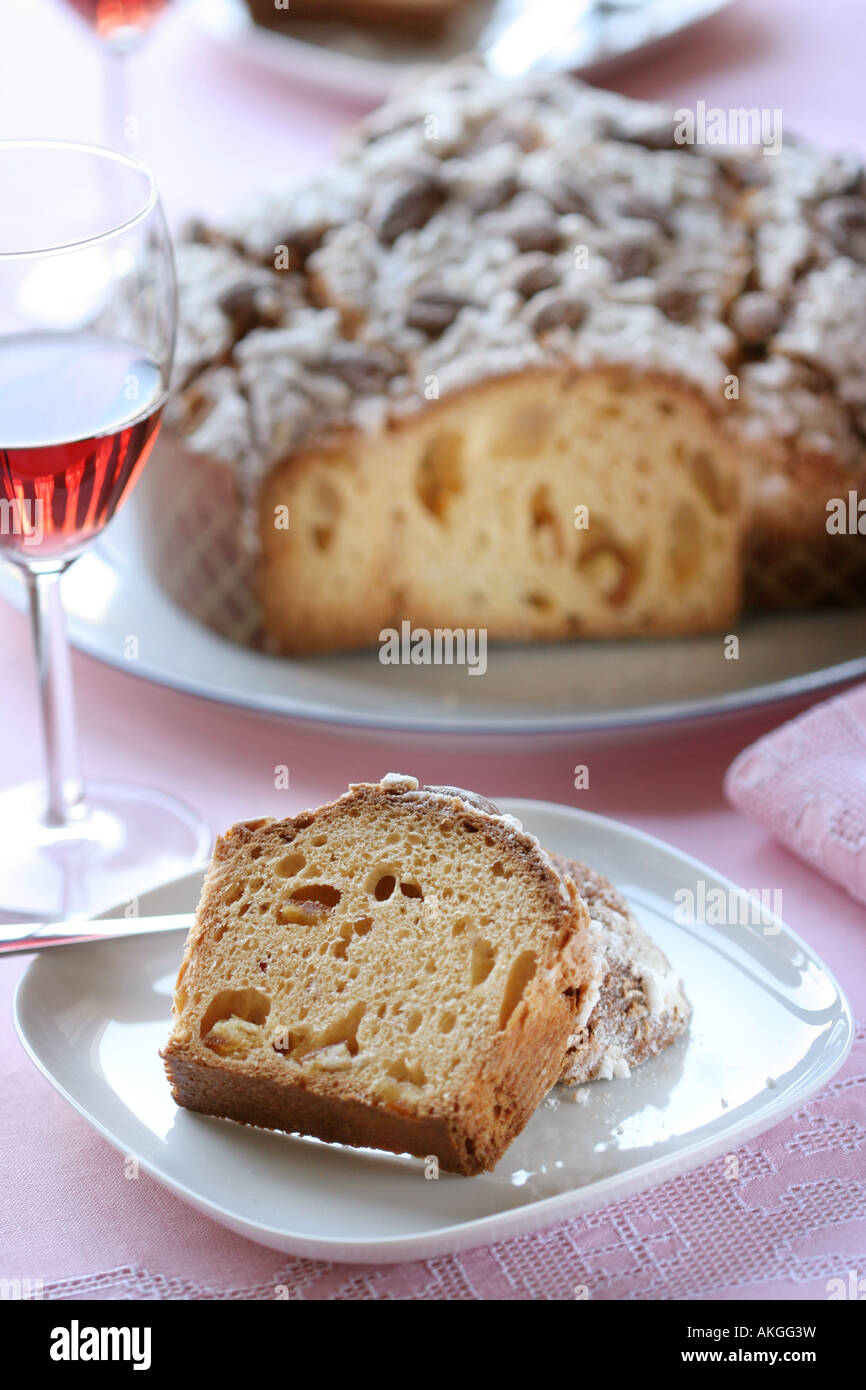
(559, 36)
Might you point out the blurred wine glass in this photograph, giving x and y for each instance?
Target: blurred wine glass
(87, 324)
(120, 24)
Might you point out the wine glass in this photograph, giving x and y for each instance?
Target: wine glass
(120, 24)
(87, 323)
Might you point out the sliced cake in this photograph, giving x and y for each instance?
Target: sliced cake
(399, 969)
(524, 359)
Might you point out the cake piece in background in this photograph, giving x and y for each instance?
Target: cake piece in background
(414, 15)
(492, 393)
(529, 364)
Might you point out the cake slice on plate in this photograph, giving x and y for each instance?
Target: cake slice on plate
(400, 969)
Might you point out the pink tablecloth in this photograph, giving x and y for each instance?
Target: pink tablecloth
(796, 1218)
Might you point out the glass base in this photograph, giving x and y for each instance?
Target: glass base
(126, 840)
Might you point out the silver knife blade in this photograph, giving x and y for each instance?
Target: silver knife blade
(17, 938)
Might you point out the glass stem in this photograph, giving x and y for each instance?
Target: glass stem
(65, 787)
(115, 98)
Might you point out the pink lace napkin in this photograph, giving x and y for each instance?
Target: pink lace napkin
(806, 783)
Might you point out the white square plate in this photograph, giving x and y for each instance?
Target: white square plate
(770, 1027)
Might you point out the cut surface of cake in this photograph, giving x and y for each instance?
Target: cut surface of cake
(526, 531)
(633, 1004)
(399, 969)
